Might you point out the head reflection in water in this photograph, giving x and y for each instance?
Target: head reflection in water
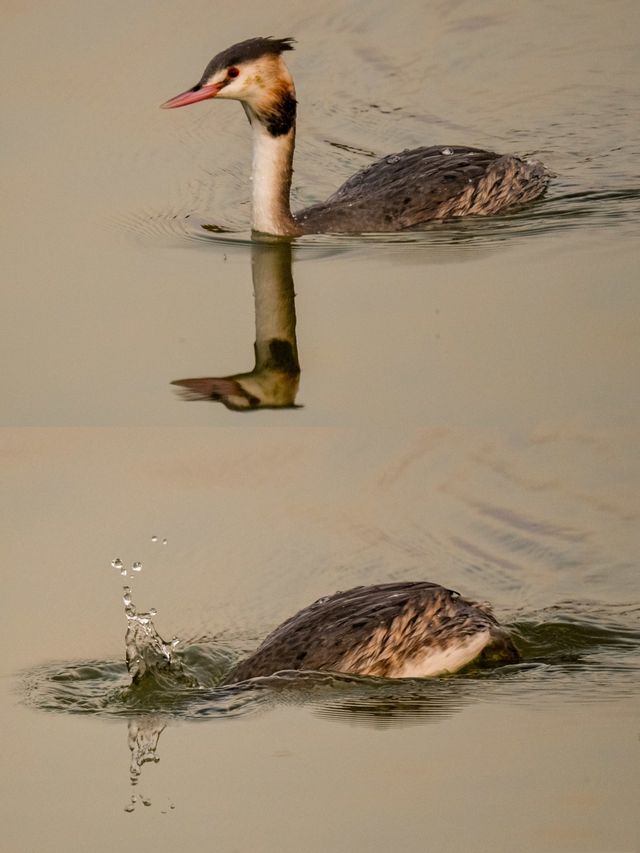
(273, 382)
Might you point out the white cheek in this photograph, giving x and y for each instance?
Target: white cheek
(236, 89)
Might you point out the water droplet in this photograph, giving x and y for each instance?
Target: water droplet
(145, 801)
(447, 151)
(153, 612)
(164, 541)
(123, 572)
(126, 598)
(393, 159)
(136, 567)
(130, 808)
(154, 538)
(117, 563)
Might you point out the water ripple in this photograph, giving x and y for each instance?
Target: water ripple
(442, 240)
(563, 654)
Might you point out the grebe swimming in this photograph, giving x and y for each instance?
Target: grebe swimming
(394, 630)
(400, 191)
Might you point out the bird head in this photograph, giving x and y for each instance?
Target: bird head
(254, 73)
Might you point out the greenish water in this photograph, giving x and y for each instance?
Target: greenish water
(592, 662)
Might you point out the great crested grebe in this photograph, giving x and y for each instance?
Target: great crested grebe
(400, 191)
(393, 630)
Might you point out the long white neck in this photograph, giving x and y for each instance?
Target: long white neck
(271, 176)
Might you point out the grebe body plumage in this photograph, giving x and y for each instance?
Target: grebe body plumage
(398, 192)
(392, 630)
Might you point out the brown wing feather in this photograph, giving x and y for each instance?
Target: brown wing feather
(412, 187)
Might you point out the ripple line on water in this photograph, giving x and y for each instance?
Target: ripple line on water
(562, 651)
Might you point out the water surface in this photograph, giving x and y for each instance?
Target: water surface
(465, 411)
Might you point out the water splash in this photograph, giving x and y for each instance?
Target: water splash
(148, 655)
(118, 564)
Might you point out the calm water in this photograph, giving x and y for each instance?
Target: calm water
(458, 404)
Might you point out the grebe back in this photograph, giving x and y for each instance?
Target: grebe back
(397, 192)
(394, 630)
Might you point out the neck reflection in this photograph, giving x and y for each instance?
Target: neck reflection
(273, 382)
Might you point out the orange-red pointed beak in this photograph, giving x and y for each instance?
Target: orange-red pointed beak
(192, 96)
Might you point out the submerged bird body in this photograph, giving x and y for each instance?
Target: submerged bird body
(399, 191)
(393, 630)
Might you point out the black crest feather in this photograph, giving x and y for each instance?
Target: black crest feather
(246, 51)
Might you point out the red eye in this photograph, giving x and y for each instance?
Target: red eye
(233, 72)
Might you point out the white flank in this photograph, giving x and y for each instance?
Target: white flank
(441, 661)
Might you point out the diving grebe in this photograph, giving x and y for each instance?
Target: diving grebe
(394, 630)
(400, 191)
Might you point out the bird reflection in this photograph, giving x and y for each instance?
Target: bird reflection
(369, 701)
(372, 702)
(273, 382)
(392, 712)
